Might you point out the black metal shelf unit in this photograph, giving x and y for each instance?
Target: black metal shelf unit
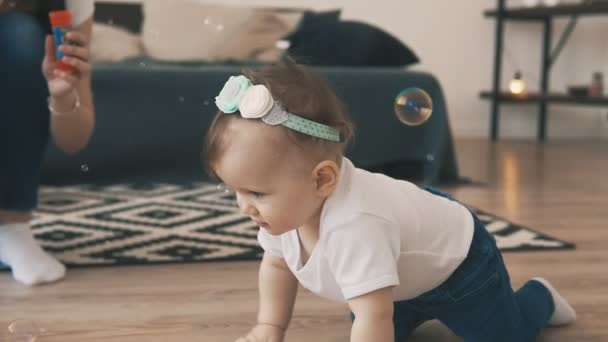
(545, 16)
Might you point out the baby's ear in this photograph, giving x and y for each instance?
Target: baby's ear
(326, 175)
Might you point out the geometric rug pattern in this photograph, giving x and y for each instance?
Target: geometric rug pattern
(151, 223)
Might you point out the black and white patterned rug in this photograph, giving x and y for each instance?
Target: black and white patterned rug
(129, 224)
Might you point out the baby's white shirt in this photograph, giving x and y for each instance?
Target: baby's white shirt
(376, 232)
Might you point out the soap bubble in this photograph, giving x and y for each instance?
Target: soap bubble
(223, 188)
(214, 24)
(155, 34)
(413, 106)
(84, 168)
(282, 44)
(23, 331)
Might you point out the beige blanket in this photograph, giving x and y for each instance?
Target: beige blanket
(190, 30)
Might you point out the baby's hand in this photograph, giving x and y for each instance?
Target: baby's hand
(264, 333)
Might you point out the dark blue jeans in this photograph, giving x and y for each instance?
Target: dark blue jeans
(24, 117)
(477, 302)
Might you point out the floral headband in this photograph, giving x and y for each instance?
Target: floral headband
(256, 102)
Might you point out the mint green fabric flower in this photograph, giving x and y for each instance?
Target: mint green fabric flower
(232, 92)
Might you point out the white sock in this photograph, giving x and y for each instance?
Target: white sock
(30, 264)
(563, 313)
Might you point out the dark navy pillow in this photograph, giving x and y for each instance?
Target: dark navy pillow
(331, 42)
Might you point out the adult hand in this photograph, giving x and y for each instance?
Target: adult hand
(76, 53)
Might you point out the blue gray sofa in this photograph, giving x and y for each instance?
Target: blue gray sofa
(152, 117)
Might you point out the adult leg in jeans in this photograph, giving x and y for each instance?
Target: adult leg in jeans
(24, 131)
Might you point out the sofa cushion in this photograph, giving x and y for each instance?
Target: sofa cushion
(348, 43)
(112, 44)
(189, 30)
(310, 23)
(125, 15)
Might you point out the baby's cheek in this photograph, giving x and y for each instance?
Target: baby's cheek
(264, 210)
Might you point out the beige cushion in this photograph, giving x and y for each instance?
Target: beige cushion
(187, 30)
(113, 44)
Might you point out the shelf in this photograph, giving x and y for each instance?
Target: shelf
(551, 97)
(545, 16)
(542, 12)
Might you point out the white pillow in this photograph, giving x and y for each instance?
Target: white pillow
(191, 30)
(258, 38)
(113, 44)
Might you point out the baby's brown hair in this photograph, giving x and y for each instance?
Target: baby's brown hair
(301, 92)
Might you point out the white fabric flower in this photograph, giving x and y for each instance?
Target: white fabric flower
(256, 103)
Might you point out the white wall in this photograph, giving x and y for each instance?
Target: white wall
(456, 43)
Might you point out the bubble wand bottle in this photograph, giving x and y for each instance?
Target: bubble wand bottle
(61, 23)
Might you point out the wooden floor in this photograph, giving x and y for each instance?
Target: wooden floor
(558, 188)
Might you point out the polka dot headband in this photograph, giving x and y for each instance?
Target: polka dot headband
(256, 102)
